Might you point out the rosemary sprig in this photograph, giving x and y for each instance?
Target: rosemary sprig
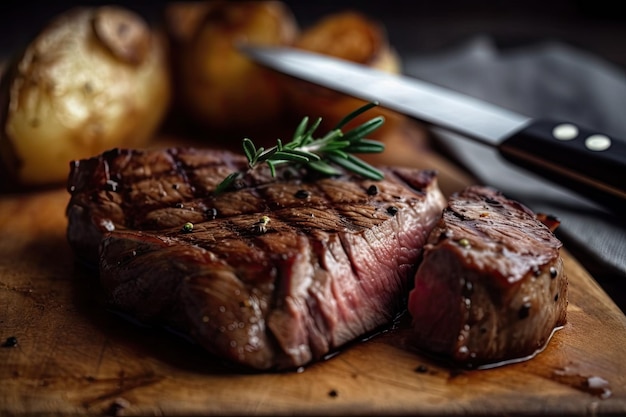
(323, 154)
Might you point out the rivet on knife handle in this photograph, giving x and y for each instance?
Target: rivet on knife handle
(581, 159)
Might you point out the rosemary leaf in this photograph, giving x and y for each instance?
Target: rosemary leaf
(257, 155)
(306, 137)
(364, 129)
(267, 154)
(364, 149)
(227, 182)
(249, 149)
(333, 135)
(310, 155)
(357, 166)
(272, 166)
(291, 156)
(337, 153)
(355, 114)
(339, 144)
(299, 132)
(324, 168)
(365, 146)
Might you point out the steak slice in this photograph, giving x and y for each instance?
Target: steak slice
(333, 261)
(491, 287)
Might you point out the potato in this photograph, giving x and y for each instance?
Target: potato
(93, 79)
(223, 90)
(354, 37)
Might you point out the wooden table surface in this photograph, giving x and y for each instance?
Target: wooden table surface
(75, 358)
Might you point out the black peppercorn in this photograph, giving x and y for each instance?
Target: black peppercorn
(10, 342)
(117, 407)
(211, 213)
(524, 311)
(372, 190)
(392, 210)
(302, 194)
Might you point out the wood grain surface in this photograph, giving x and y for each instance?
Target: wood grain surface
(73, 357)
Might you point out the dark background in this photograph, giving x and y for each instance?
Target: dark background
(598, 26)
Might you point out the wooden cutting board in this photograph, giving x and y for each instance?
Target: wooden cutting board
(74, 358)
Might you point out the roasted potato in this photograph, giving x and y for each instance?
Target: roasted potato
(352, 36)
(93, 79)
(215, 83)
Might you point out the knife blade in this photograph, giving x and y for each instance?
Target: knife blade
(587, 161)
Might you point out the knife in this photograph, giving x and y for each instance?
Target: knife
(589, 162)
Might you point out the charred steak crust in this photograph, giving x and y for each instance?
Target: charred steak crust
(491, 287)
(333, 263)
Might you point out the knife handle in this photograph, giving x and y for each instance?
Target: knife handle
(583, 160)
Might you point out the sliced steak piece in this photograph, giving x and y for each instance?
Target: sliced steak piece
(333, 260)
(491, 287)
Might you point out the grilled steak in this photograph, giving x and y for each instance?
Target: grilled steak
(491, 287)
(272, 275)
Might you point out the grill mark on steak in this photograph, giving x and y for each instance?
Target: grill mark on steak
(491, 287)
(333, 264)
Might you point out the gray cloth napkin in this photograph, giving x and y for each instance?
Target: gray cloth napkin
(547, 80)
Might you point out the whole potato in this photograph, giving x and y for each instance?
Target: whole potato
(93, 79)
(220, 88)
